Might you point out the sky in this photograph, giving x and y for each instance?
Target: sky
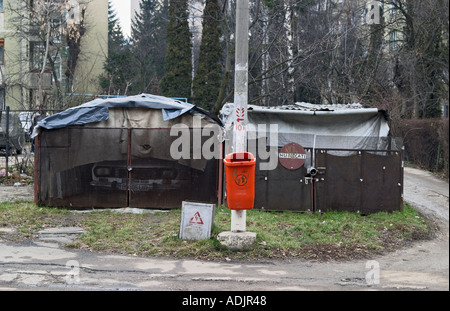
(123, 11)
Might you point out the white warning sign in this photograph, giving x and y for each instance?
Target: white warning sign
(196, 221)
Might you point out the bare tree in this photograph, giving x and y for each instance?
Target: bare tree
(323, 51)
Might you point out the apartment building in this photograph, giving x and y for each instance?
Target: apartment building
(74, 36)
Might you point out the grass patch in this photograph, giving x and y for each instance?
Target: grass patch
(27, 218)
(331, 235)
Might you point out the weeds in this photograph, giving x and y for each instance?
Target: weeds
(331, 235)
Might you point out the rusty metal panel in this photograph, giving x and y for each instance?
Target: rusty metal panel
(66, 169)
(382, 182)
(282, 189)
(156, 182)
(366, 182)
(339, 186)
(84, 167)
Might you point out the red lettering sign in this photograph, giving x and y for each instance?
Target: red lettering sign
(292, 156)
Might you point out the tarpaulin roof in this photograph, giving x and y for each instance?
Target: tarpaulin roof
(345, 126)
(98, 110)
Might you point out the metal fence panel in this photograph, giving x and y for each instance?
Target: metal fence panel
(365, 181)
(159, 181)
(382, 182)
(282, 189)
(339, 186)
(68, 160)
(119, 167)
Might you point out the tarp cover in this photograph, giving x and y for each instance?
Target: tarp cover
(80, 135)
(98, 110)
(319, 126)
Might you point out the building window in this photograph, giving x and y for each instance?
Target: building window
(393, 37)
(37, 52)
(2, 51)
(1, 5)
(393, 7)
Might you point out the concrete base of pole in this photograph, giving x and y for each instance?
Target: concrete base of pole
(238, 220)
(237, 241)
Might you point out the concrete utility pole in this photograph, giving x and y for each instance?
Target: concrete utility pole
(238, 238)
(238, 218)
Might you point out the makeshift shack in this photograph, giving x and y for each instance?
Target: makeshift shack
(117, 153)
(322, 157)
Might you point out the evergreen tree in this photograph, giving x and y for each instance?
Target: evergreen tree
(177, 80)
(119, 73)
(149, 44)
(207, 81)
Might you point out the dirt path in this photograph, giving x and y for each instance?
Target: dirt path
(429, 195)
(13, 193)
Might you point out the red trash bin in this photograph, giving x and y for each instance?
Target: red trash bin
(240, 180)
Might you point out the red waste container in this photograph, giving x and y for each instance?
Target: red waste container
(240, 180)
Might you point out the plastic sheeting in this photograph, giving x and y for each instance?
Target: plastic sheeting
(319, 126)
(98, 110)
(104, 125)
(150, 138)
